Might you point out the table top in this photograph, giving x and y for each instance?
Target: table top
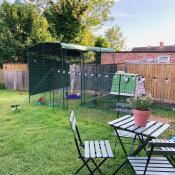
(152, 129)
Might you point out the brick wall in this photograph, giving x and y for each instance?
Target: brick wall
(122, 57)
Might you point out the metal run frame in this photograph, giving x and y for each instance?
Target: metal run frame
(64, 56)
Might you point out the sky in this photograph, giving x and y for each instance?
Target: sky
(144, 22)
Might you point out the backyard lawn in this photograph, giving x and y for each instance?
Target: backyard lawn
(37, 140)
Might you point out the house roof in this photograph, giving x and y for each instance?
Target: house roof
(170, 48)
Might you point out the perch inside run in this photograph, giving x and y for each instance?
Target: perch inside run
(127, 84)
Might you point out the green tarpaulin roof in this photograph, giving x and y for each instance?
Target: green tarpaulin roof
(73, 47)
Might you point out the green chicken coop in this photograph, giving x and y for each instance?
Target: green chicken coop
(127, 84)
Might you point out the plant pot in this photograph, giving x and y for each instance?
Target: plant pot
(141, 117)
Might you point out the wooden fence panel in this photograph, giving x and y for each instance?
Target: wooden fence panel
(1, 76)
(15, 67)
(16, 80)
(9, 79)
(159, 80)
(121, 67)
(25, 75)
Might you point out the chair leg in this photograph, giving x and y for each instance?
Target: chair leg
(85, 163)
(171, 160)
(141, 140)
(120, 167)
(96, 166)
(116, 141)
(148, 160)
(132, 168)
(132, 145)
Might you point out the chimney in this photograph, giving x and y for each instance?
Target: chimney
(161, 44)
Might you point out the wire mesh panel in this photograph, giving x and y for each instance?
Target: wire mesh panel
(48, 72)
(97, 81)
(51, 74)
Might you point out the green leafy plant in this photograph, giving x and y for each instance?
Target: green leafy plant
(140, 102)
(20, 27)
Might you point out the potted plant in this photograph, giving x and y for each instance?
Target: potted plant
(141, 111)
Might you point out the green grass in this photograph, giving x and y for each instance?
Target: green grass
(37, 140)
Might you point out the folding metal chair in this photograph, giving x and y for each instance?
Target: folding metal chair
(155, 165)
(90, 150)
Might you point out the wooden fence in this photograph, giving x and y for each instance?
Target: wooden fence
(121, 67)
(159, 80)
(15, 67)
(15, 76)
(16, 80)
(1, 76)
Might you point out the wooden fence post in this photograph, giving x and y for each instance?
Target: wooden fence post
(15, 81)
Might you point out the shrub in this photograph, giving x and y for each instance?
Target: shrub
(2, 86)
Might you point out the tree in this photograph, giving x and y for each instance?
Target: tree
(70, 20)
(65, 20)
(20, 27)
(97, 13)
(40, 5)
(115, 37)
(88, 38)
(102, 42)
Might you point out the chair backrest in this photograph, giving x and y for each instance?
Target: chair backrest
(73, 122)
(162, 147)
(124, 108)
(76, 133)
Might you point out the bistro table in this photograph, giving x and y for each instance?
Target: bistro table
(152, 130)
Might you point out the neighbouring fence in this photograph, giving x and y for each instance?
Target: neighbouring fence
(15, 67)
(159, 80)
(121, 67)
(1, 76)
(16, 80)
(14, 76)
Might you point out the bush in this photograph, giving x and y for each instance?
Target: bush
(2, 86)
